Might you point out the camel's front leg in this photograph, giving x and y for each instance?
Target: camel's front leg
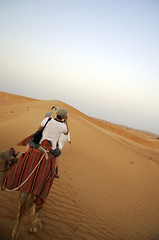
(25, 201)
(15, 232)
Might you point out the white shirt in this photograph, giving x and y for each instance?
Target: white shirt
(52, 131)
(63, 139)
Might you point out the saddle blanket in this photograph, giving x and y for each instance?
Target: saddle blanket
(41, 177)
(25, 141)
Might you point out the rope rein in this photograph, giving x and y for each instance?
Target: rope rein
(14, 189)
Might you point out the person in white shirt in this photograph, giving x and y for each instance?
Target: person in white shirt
(63, 138)
(53, 130)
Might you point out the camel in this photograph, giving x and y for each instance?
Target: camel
(27, 200)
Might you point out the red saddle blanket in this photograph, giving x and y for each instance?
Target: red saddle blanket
(41, 180)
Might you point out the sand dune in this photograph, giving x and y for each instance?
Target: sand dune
(108, 186)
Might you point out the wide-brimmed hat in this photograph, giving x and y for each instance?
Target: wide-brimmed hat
(61, 113)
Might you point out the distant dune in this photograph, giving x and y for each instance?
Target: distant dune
(12, 98)
(108, 185)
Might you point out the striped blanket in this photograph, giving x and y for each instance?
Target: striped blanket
(25, 141)
(41, 179)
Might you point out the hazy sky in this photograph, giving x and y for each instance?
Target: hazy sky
(99, 56)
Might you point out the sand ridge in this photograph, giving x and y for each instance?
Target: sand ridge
(108, 186)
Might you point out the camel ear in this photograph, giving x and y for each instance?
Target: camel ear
(13, 152)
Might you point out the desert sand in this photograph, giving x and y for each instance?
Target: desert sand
(109, 177)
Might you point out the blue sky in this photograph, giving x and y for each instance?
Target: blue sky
(99, 56)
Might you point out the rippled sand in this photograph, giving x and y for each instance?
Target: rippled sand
(109, 176)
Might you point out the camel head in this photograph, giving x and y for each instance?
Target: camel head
(7, 160)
